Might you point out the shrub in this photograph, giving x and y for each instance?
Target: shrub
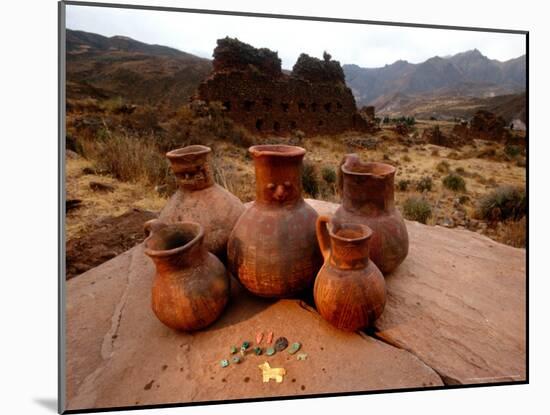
(405, 158)
(417, 208)
(310, 184)
(454, 182)
(424, 184)
(443, 167)
(329, 175)
(403, 185)
(505, 202)
(512, 150)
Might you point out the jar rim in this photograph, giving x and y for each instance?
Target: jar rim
(278, 150)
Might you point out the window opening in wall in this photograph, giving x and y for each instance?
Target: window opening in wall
(328, 107)
(268, 103)
(259, 124)
(227, 105)
(276, 126)
(284, 106)
(248, 105)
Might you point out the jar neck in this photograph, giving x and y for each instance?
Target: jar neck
(349, 255)
(278, 180)
(368, 194)
(195, 177)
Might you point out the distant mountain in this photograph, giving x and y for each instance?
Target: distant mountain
(112, 67)
(468, 74)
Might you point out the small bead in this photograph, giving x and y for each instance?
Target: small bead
(294, 348)
(281, 344)
(258, 351)
(234, 349)
(224, 363)
(270, 351)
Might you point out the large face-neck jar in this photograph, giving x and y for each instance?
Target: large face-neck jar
(273, 248)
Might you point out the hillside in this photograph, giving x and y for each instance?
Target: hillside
(467, 74)
(448, 107)
(120, 67)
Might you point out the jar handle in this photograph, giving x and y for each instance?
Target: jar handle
(152, 226)
(322, 235)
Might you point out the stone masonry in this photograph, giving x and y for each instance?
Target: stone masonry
(258, 94)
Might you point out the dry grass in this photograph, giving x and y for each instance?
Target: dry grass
(515, 233)
(97, 205)
(234, 170)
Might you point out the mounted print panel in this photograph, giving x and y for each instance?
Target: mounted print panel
(252, 214)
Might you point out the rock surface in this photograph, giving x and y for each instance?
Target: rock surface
(457, 304)
(119, 354)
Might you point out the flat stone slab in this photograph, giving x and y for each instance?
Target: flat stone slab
(458, 303)
(119, 354)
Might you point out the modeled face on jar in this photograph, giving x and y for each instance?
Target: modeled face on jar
(280, 191)
(196, 176)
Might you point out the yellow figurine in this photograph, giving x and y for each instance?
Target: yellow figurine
(269, 373)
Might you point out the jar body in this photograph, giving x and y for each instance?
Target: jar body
(273, 250)
(191, 298)
(214, 208)
(368, 198)
(191, 286)
(350, 290)
(199, 199)
(389, 244)
(350, 299)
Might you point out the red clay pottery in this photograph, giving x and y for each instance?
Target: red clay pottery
(273, 248)
(349, 291)
(191, 285)
(199, 199)
(367, 198)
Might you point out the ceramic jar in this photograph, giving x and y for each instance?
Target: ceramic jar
(349, 291)
(199, 199)
(191, 285)
(273, 249)
(368, 198)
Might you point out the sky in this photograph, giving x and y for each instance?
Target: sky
(361, 44)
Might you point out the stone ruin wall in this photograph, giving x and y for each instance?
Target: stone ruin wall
(257, 94)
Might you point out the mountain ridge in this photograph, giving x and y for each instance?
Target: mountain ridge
(468, 73)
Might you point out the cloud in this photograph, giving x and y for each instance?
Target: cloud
(361, 44)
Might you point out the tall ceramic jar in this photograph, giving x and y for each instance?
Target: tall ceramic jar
(191, 285)
(368, 198)
(273, 248)
(349, 291)
(199, 199)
